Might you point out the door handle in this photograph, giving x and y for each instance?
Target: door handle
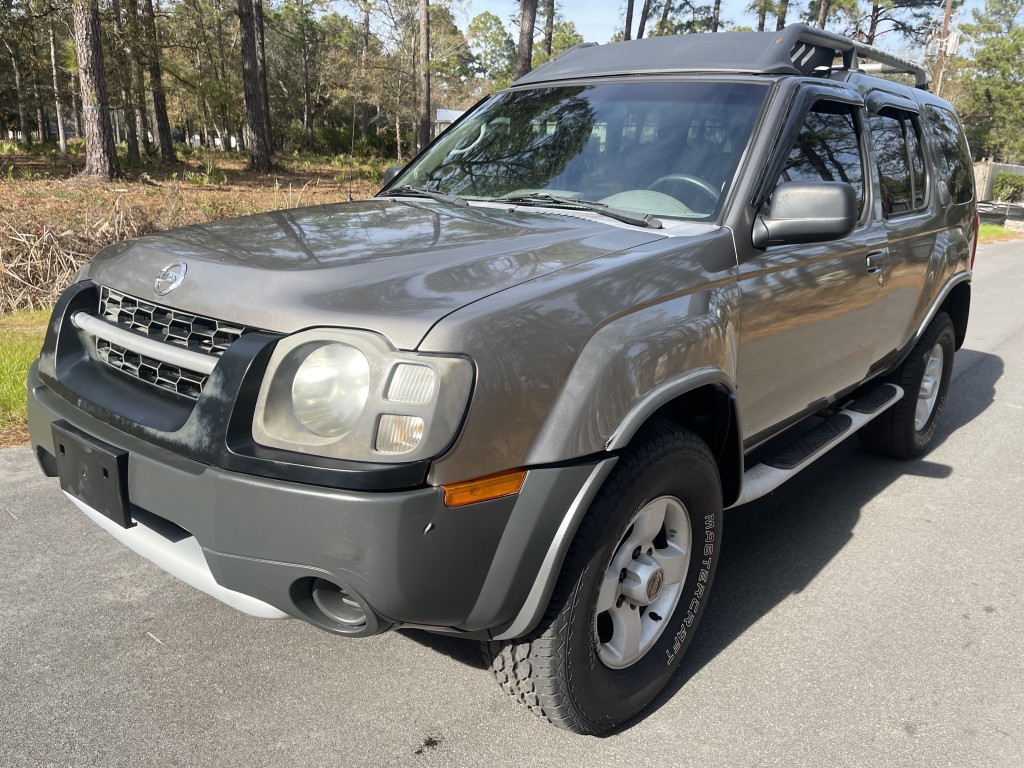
(876, 261)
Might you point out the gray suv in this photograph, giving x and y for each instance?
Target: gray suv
(510, 397)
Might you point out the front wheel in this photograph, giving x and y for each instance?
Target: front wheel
(632, 590)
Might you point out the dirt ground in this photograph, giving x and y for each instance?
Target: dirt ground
(43, 188)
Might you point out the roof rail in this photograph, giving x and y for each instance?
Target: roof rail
(814, 48)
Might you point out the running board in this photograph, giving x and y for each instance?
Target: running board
(763, 478)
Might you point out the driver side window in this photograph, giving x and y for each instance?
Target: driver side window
(828, 148)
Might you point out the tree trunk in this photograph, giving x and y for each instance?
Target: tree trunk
(666, 9)
(876, 11)
(307, 101)
(41, 127)
(26, 132)
(307, 93)
(716, 12)
(255, 107)
(59, 109)
(780, 23)
(124, 81)
(161, 125)
(822, 13)
(627, 32)
(527, 20)
(138, 78)
(76, 108)
(549, 26)
(364, 105)
(261, 62)
(398, 137)
(424, 121)
(762, 11)
(100, 154)
(645, 11)
(142, 115)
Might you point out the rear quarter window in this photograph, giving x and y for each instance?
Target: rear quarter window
(951, 152)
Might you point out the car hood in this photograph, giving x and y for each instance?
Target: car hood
(396, 267)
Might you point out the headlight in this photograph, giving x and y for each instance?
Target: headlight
(330, 389)
(350, 395)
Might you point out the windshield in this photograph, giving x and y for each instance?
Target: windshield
(659, 148)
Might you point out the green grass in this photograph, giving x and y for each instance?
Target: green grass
(21, 336)
(992, 233)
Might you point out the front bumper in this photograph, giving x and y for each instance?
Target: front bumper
(261, 543)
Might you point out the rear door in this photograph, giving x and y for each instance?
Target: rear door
(909, 212)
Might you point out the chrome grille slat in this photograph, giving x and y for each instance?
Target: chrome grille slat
(172, 326)
(161, 374)
(169, 349)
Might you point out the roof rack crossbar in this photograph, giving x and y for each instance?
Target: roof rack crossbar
(813, 48)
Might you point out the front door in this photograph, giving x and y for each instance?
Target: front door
(809, 313)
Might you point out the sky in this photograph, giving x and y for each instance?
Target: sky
(598, 20)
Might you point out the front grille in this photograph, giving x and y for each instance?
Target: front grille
(173, 378)
(195, 333)
(200, 334)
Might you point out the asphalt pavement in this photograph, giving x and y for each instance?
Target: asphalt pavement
(868, 614)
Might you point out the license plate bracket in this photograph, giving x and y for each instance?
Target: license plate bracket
(93, 472)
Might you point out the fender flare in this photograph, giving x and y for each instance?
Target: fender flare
(664, 393)
(544, 584)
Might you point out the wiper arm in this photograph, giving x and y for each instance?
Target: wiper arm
(542, 198)
(421, 192)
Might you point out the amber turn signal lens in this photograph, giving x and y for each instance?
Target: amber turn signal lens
(484, 488)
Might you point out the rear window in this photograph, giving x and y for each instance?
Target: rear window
(952, 153)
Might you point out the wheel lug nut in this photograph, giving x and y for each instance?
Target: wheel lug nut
(636, 553)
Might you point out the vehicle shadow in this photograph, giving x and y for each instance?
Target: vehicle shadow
(775, 547)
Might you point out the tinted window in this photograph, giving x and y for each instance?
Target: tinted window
(913, 132)
(900, 162)
(828, 149)
(893, 163)
(954, 158)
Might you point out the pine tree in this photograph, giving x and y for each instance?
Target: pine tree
(100, 153)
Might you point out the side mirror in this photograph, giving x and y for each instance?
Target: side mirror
(390, 174)
(806, 212)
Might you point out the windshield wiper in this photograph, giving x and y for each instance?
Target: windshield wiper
(542, 198)
(421, 192)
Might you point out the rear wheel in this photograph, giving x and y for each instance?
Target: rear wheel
(632, 590)
(907, 429)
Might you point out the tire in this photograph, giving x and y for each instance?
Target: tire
(581, 669)
(907, 429)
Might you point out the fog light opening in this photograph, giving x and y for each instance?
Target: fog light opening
(338, 605)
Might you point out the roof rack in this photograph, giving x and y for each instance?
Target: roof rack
(796, 50)
(819, 48)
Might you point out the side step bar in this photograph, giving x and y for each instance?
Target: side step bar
(763, 478)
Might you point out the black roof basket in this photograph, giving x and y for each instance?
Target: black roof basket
(796, 50)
